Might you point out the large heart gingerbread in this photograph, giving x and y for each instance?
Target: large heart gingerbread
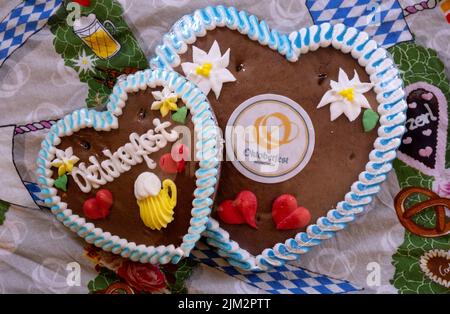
(222, 49)
(153, 215)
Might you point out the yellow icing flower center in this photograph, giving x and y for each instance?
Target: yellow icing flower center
(170, 103)
(348, 93)
(166, 105)
(204, 70)
(64, 166)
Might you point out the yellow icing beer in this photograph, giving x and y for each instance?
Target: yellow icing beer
(157, 211)
(96, 36)
(155, 203)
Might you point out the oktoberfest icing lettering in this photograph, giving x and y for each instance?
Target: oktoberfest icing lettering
(136, 151)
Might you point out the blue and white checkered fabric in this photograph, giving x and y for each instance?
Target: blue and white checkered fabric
(22, 22)
(382, 20)
(282, 280)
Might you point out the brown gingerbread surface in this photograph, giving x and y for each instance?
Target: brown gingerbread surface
(124, 219)
(341, 147)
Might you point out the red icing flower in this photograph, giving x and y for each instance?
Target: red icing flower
(142, 277)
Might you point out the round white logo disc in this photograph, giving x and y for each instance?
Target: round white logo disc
(269, 138)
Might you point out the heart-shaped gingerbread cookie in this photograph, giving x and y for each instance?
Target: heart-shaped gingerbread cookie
(121, 193)
(425, 141)
(290, 142)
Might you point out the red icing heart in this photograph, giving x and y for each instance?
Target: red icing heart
(288, 215)
(98, 207)
(229, 213)
(167, 163)
(241, 210)
(181, 166)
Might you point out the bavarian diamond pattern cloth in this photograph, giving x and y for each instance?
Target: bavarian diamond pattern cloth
(281, 280)
(382, 19)
(23, 21)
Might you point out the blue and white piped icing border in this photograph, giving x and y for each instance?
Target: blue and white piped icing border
(205, 128)
(388, 86)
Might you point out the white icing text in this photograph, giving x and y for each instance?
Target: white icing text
(137, 150)
(421, 120)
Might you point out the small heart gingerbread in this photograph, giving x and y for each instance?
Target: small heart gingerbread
(427, 125)
(133, 151)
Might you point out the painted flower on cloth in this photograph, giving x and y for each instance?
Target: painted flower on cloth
(441, 186)
(346, 96)
(65, 160)
(85, 63)
(209, 70)
(166, 101)
(142, 277)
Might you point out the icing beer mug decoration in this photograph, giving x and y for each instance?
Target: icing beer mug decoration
(95, 35)
(156, 204)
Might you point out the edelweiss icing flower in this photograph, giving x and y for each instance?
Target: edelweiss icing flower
(209, 70)
(166, 101)
(65, 160)
(346, 96)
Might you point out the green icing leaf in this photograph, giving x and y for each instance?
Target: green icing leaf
(417, 64)
(180, 115)
(61, 183)
(370, 120)
(104, 279)
(4, 206)
(103, 73)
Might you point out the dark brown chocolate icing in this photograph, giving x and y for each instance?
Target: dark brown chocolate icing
(124, 220)
(341, 147)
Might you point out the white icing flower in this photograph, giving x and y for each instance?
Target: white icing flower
(147, 184)
(165, 101)
(65, 160)
(209, 70)
(84, 63)
(346, 96)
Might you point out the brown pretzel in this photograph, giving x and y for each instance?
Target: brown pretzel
(405, 215)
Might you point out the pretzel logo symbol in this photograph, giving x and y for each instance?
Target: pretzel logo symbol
(406, 215)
